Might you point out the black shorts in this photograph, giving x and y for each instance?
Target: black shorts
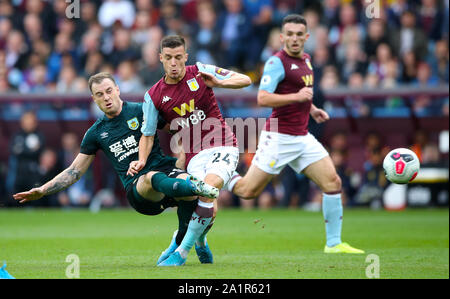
(145, 206)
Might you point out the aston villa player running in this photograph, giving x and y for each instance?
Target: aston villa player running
(286, 85)
(185, 99)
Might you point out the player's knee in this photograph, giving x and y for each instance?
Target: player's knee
(332, 184)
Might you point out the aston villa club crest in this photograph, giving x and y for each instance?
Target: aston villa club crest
(308, 63)
(133, 123)
(193, 84)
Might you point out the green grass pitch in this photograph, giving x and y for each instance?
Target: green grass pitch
(246, 244)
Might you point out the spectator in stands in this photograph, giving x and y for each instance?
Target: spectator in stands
(206, 36)
(123, 49)
(409, 64)
(236, 30)
(38, 81)
(260, 13)
(89, 48)
(17, 50)
(273, 45)
(383, 57)
(143, 30)
(80, 193)
(330, 78)
(282, 9)
(314, 29)
(331, 13)
(48, 169)
(439, 62)
(88, 17)
(150, 69)
(170, 19)
(431, 18)
(391, 71)
(355, 103)
(395, 12)
(354, 62)
(66, 80)
(112, 11)
(374, 181)
(63, 46)
(409, 37)
(25, 147)
(94, 62)
(376, 35)
(127, 79)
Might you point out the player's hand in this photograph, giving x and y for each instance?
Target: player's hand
(305, 94)
(209, 79)
(30, 195)
(320, 115)
(135, 167)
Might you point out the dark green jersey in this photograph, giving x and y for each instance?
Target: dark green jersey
(118, 138)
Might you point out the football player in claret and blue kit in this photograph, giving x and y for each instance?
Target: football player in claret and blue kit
(287, 87)
(185, 99)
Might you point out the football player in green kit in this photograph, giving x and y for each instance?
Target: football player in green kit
(159, 185)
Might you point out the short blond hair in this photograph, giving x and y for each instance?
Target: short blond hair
(98, 78)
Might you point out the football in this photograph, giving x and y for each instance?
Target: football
(401, 166)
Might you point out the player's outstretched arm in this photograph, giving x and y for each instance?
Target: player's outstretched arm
(60, 182)
(268, 99)
(234, 81)
(145, 147)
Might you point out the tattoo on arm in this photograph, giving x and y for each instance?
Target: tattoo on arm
(63, 180)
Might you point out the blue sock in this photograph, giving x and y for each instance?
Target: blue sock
(200, 220)
(332, 213)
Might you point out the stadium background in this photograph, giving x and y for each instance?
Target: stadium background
(383, 80)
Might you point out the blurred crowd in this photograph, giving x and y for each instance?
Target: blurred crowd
(55, 45)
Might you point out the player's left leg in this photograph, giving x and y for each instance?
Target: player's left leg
(215, 166)
(323, 173)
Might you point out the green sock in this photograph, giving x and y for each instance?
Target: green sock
(170, 186)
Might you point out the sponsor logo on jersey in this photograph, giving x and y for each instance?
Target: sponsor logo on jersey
(166, 99)
(193, 84)
(221, 71)
(104, 135)
(185, 107)
(308, 80)
(308, 63)
(294, 66)
(133, 123)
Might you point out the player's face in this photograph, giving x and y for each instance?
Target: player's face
(107, 97)
(294, 36)
(174, 63)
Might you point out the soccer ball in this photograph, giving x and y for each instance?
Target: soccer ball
(401, 166)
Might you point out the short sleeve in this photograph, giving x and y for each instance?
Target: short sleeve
(150, 123)
(273, 74)
(89, 145)
(218, 72)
